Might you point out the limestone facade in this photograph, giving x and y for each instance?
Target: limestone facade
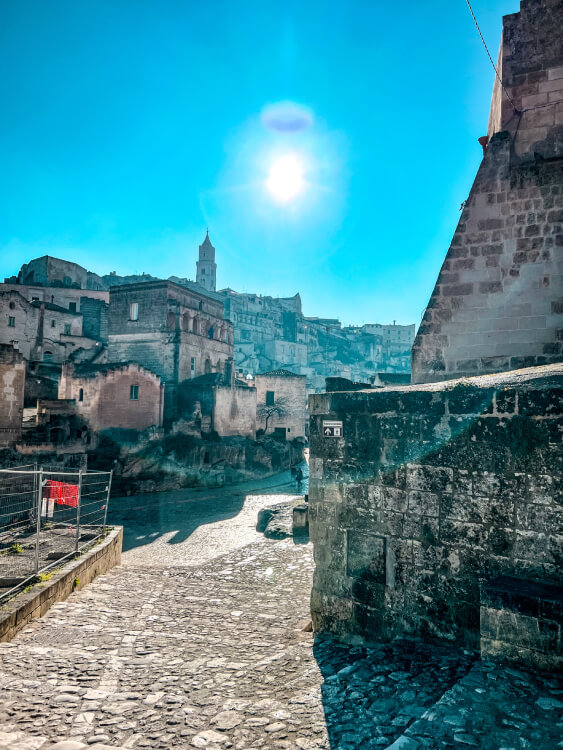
(115, 396)
(41, 331)
(431, 491)
(206, 273)
(498, 301)
(272, 333)
(217, 403)
(175, 332)
(281, 403)
(12, 388)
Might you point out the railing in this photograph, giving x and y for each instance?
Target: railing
(46, 516)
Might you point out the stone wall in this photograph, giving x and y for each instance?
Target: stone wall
(102, 395)
(290, 401)
(498, 301)
(95, 314)
(234, 411)
(179, 333)
(12, 387)
(432, 490)
(76, 574)
(49, 271)
(530, 65)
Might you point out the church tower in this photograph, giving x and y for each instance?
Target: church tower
(206, 266)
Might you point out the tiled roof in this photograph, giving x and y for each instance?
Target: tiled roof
(281, 373)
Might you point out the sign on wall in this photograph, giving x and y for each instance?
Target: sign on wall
(332, 428)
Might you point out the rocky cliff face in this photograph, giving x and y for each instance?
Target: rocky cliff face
(187, 461)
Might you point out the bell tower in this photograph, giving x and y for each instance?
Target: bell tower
(206, 266)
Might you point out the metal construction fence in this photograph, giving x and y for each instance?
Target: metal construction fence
(47, 515)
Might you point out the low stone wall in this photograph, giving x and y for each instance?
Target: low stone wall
(429, 491)
(76, 574)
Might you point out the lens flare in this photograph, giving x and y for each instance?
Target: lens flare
(287, 117)
(286, 178)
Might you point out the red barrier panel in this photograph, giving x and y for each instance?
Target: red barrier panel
(61, 492)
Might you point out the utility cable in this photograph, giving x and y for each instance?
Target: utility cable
(490, 58)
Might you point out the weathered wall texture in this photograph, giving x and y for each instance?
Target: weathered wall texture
(12, 387)
(288, 410)
(530, 65)
(174, 326)
(498, 301)
(106, 395)
(431, 490)
(234, 411)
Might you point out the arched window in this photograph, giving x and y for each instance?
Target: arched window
(47, 356)
(207, 367)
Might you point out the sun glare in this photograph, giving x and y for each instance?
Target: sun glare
(285, 180)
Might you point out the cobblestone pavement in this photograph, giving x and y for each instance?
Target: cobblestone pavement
(159, 655)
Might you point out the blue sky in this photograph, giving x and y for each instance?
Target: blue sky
(128, 126)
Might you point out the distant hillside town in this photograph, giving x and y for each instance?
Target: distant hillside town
(134, 353)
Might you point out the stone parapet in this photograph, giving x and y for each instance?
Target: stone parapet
(30, 605)
(430, 491)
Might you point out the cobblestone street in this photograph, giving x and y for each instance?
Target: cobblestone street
(178, 653)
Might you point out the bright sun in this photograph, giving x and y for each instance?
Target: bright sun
(285, 180)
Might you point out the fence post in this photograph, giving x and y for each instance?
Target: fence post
(107, 500)
(78, 510)
(38, 519)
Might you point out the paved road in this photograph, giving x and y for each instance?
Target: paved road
(183, 647)
(192, 526)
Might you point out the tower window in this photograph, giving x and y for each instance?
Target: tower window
(134, 311)
(134, 393)
(81, 394)
(11, 322)
(192, 364)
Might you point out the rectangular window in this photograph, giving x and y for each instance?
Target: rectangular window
(53, 323)
(72, 306)
(11, 322)
(81, 394)
(192, 364)
(67, 329)
(35, 299)
(134, 311)
(134, 393)
(269, 398)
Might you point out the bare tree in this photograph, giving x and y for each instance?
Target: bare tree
(266, 411)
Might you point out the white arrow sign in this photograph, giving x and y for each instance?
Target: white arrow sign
(332, 428)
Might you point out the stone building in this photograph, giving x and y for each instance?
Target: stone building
(12, 388)
(175, 332)
(436, 508)
(427, 496)
(217, 402)
(116, 396)
(71, 298)
(41, 331)
(498, 301)
(206, 275)
(281, 403)
(272, 333)
(56, 272)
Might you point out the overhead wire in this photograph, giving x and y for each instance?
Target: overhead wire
(490, 58)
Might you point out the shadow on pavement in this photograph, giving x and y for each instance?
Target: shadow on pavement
(147, 517)
(372, 695)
